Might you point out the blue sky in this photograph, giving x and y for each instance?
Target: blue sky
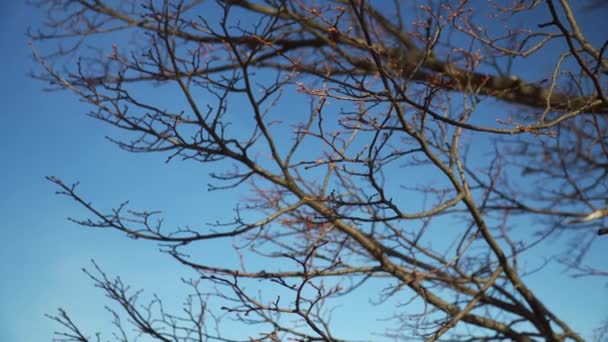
(41, 259)
(46, 134)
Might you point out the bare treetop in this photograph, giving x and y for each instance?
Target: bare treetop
(402, 142)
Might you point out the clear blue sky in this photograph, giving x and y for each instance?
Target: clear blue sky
(42, 253)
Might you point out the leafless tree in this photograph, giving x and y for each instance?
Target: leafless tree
(394, 142)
